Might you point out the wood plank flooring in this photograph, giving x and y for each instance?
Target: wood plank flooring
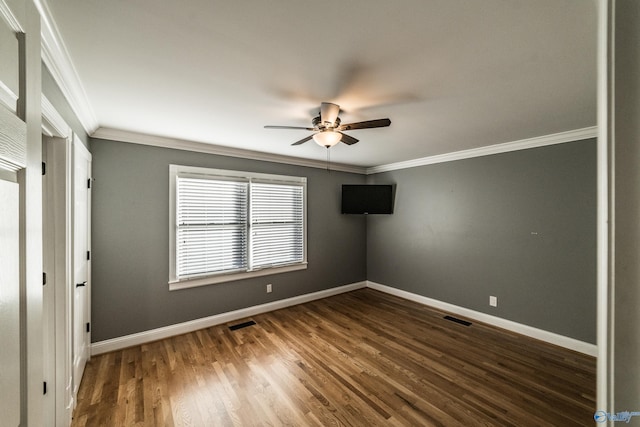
(363, 358)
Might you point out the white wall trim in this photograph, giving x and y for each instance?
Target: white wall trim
(201, 147)
(206, 322)
(605, 368)
(541, 141)
(57, 59)
(10, 18)
(7, 97)
(52, 122)
(13, 141)
(529, 331)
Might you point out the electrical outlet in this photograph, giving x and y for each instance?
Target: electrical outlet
(269, 288)
(493, 301)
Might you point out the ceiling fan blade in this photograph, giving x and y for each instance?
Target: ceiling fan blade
(303, 140)
(329, 113)
(288, 127)
(347, 139)
(379, 123)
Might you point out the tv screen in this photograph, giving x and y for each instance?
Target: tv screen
(367, 199)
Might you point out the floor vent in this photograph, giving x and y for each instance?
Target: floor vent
(242, 325)
(462, 322)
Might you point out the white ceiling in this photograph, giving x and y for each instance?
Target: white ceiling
(450, 74)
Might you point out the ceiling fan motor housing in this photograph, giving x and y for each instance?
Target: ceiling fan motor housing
(317, 123)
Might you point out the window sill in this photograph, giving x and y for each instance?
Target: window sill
(176, 285)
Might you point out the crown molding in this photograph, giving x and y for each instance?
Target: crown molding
(201, 147)
(57, 59)
(10, 18)
(523, 144)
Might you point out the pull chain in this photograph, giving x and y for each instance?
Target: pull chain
(328, 159)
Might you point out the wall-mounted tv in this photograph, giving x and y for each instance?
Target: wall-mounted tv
(367, 199)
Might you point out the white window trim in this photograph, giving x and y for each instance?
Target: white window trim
(174, 170)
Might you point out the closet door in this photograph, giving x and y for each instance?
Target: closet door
(12, 160)
(9, 303)
(81, 260)
(21, 274)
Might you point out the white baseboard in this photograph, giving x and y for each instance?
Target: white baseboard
(206, 322)
(119, 343)
(550, 337)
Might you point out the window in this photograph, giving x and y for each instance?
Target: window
(230, 225)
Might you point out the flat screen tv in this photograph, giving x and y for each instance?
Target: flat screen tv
(367, 199)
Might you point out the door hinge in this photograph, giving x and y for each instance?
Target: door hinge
(89, 183)
(44, 389)
(88, 255)
(88, 327)
(44, 168)
(44, 279)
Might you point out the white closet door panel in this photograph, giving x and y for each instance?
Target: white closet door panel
(9, 304)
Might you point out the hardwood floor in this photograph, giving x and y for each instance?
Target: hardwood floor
(362, 358)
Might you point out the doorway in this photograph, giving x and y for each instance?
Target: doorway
(81, 260)
(66, 244)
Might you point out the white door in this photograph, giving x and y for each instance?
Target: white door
(59, 290)
(9, 304)
(81, 260)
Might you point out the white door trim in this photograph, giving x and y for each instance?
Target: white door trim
(57, 246)
(604, 323)
(80, 153)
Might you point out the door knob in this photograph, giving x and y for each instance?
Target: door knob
(81, 284)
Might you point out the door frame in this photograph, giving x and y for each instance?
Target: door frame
(58, 263)
(78, 146)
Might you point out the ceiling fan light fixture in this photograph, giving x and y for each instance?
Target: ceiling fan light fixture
(329, 129)
(327, 138)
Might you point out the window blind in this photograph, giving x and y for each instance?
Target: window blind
(211, 234)
(227, 223)
(277, 225)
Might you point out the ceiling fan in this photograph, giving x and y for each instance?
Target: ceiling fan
(329, 131)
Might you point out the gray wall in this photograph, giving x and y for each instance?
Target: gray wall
(52, 91)
(130, 240)
(520, 226)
